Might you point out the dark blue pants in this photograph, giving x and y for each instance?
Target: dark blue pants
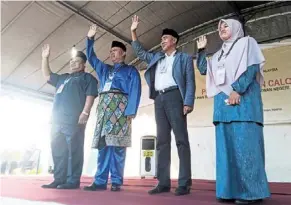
(169, 116)
(110, 159)
(67, 146)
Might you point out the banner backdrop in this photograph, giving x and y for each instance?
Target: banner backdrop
(276, 91)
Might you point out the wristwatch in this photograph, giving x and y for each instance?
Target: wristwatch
(85, 113)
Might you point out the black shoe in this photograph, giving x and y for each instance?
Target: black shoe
(95, 187)
(159, 189)
(115, 187)
(220, 200)
(182, 190)
(241, 201)
(68, 186)
(52, 185)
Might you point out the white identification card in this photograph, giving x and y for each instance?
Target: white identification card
(107, 86)
(220, 75)
(60, 89)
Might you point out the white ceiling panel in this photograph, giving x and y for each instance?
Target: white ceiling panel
(21, 38)
(72, 31)
(119, 16)
(103, 9)
(11, 10)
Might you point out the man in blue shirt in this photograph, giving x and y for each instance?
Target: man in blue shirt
(170, 77)
(120, 91)
(75, 94)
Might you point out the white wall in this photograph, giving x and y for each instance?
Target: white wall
(202, 141)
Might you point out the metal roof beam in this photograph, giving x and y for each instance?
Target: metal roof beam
(243, 12)
(236, 10)
(238, 13)
(88, 17)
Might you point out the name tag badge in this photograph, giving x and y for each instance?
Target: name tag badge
(107, 86)
(220, 75)
(60, 89)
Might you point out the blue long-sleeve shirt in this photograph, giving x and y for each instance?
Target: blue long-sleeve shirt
(250, 107)
(127, 78)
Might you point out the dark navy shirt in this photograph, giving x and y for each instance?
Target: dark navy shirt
(71, 92)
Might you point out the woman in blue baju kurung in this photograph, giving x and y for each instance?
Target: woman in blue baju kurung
(234, 76)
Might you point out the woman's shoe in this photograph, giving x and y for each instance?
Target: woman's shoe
(220, 200)
(241, 201)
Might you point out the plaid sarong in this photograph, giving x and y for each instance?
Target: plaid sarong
(112, 127)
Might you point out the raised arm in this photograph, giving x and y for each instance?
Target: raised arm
(201, 60)
(96, 64)
(137, 47)
(51, 78)
(45, 68)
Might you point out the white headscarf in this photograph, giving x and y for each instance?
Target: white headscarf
(223, 72)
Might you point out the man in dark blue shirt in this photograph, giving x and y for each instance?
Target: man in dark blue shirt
(75, 94)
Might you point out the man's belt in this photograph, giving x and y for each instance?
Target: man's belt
(167, 89)
(115, 91)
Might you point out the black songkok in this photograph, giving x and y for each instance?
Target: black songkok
(168, 31)
(118, 44)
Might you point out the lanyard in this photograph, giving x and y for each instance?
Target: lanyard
(74, 75)
(219, 58)
(67, 80)
(112, 74)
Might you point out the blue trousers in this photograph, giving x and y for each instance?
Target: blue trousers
(240, 161)
(110, 159)
(67, 144)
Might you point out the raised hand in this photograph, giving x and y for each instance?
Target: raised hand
(46, 51)
(135, 23)
(201, 42)
(92, 31)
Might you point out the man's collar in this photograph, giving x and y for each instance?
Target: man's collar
(118, 64)
(77, 72)
(172, 54)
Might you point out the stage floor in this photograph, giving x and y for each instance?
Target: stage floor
(26, 190)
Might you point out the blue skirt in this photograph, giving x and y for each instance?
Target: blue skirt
(240, 161)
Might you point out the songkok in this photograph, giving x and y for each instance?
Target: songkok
(118, 44)
(168, 31)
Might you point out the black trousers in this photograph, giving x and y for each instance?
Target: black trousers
(169, 116)
(67, 146)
